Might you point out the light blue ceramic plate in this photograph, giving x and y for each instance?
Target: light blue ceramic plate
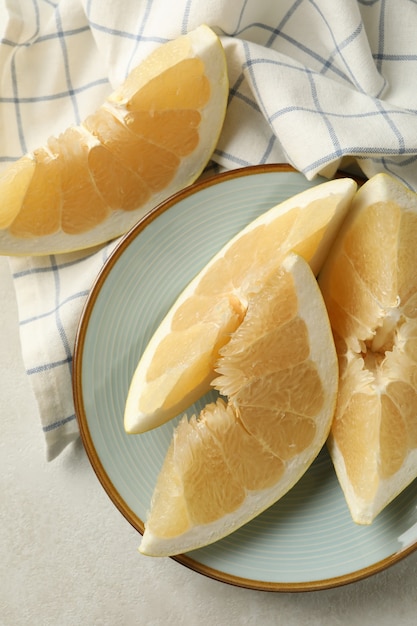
(307, 540)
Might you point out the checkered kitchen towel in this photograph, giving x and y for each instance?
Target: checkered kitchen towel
(312, 82)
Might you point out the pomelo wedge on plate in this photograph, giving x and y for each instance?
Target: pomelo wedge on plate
(177, 366)
(369, 284)
(280, 376)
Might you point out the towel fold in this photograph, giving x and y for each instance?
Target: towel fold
(319, 84)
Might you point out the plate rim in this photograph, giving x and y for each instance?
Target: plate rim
(82, 420)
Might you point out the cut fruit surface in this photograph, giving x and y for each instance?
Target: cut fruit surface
(152, 137)
(369, 283)
(279, 372)
(177, 366)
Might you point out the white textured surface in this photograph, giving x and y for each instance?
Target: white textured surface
(68, 558)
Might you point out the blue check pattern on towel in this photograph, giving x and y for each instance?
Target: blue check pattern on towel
(321, 84)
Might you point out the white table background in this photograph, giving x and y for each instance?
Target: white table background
(69, 558)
